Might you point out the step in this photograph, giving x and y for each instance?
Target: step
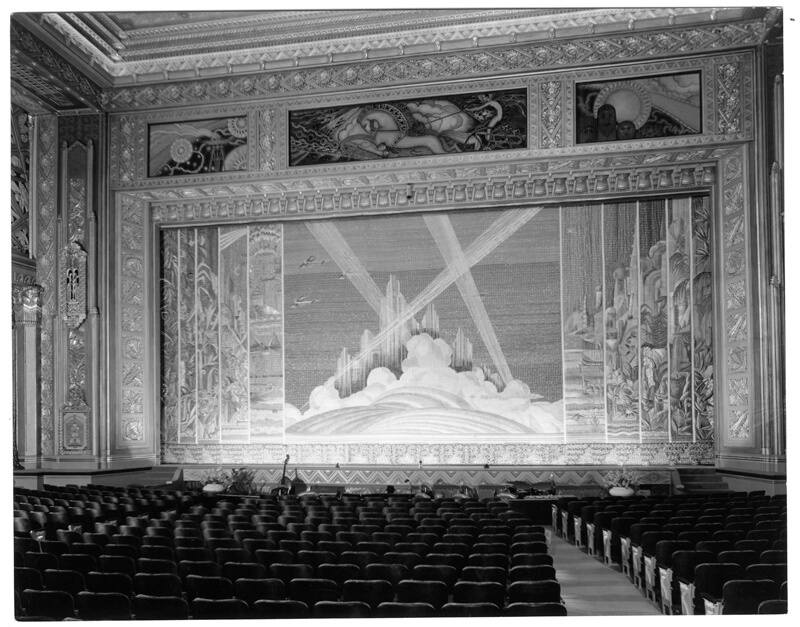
(695, 486)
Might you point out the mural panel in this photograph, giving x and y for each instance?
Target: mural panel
(702, 322)
(447, 327)
(641, 108)
(525, 325)
(198, 147)
(409, 128)
(679, 323)
(652, 299)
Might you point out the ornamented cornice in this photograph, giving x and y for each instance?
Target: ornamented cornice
(138, 47)
(71, 79)
(441, 65)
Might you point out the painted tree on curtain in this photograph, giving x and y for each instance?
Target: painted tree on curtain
(621, 321)
(582, 308)
(221, 335)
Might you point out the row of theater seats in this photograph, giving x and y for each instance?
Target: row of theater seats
(278, 556)
(721, 553)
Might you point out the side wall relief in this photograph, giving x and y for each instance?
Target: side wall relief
(534, 326)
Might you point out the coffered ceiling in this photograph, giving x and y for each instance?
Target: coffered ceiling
(67, 59)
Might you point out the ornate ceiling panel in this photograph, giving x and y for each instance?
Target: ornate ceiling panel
(74, 61)
(129, 47)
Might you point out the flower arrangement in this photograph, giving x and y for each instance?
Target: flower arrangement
(215, 476)
(234, 481)
(622, 479)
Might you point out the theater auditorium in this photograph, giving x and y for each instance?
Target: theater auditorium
(397, 313)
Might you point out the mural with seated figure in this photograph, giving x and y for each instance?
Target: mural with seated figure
(640, 108)
(583, 323)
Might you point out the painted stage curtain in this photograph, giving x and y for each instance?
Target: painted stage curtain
(586, 323)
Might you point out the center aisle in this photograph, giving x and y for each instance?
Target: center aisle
(590, 588)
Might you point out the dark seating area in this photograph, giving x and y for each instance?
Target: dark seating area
(715, 553)
(99, 552)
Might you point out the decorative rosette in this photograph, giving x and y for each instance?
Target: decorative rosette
(181, 150)
(237, 127)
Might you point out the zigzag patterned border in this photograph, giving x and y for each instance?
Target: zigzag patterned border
(661, 454)
(443, 476)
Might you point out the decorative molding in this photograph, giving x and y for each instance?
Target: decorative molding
(131, 329)
(552, 108)
(456, 65)
(266, 140)
(46, 132)
(678, 453)
(735, 296)
(478, 190)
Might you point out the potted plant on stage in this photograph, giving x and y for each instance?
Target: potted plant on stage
(621, 482)
(241, 481)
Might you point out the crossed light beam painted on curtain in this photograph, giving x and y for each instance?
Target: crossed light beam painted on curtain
(456, 271)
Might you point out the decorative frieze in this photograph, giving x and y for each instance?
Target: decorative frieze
(478, 191)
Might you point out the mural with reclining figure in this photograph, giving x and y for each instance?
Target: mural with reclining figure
(585, 323)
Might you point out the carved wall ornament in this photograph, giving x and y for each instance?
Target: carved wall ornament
(72, 292)
(737, 391)
(76, 369)
(132, 429)
(739, 425)
(552, 109)
(27, 304)
(75, 433)
(729, 103)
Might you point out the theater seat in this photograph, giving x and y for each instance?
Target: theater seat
(160, 608)
(401, 609)
(341, 609)
(458, 610)
(103, 606)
